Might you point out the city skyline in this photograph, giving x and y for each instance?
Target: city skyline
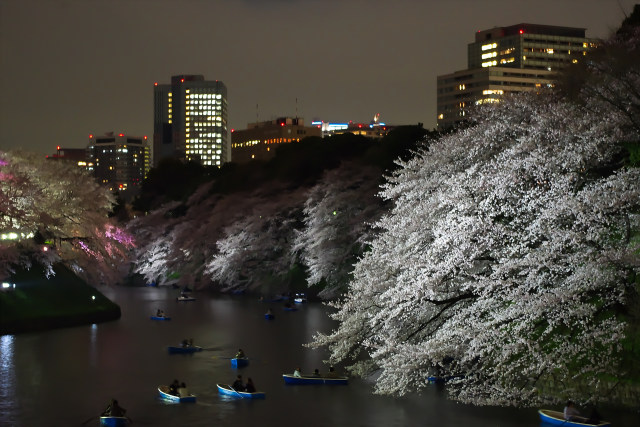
(71, 68)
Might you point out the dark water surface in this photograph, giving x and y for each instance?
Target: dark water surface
(65, 377)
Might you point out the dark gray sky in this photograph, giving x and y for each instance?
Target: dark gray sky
(69, 68)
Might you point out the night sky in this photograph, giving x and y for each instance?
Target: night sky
(69, 68)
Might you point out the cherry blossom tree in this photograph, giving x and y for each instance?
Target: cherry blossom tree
(505, 262)
(62, 205)
(255, 250)
(338, 215)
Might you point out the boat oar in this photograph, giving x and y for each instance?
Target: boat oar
(235, 391)
(89, 419)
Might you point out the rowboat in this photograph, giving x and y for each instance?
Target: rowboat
(160, 318)
(291, 379)
(179, 349)
(114, 421)
(300, 298)
(185, 298)
(227, 390)
(239, 362)
(290, 309)
(164, 393)
(556, 418)
(268, 316)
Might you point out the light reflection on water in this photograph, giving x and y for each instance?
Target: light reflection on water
(127, 359)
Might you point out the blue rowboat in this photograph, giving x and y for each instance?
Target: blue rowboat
(290, 309)
(227, 390)
(114, 421)
(239, 363)
(164, 394)
(179, 349)
(268, 316)
(160, 318)
(556, 418)
(291, 379)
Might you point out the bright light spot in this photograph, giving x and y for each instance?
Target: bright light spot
(45, 248)
(6, 285)
(335, 213)
(93, 297)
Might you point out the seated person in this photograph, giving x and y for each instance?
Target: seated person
(240, 354)
(173, 387)
(316, 373)
(332, 373)
(570, 412)
(114, 410)
(238, 385)
(183, 391)
(297, 373)
(250, 387)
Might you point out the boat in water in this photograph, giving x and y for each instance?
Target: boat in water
(163, 390)
(292, 379)
(556, 418)
(227, 390)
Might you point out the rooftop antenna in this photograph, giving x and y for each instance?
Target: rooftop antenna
(257, 121)
(296, 107)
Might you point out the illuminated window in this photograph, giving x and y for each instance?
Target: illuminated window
(489, 55)
(489, 46)
(440, 116)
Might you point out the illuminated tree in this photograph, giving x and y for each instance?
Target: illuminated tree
(60, 214)
(507, 259)
(338, 215)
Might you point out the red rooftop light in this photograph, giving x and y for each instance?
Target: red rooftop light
(155, 83)
(90, 135)
(521, 31)
(121, 134)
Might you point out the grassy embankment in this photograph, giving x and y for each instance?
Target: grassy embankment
(40, 303)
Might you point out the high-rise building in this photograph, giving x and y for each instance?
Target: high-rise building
(504, 60)
(120, 162)
(259, 140)
(190, 121)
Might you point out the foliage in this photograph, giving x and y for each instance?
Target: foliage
(505, 259)
(59, 204)
(338, 214)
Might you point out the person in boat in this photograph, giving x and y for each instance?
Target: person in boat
(238, 385)
(159, 313)
(173, 387)
(570, 412)
(297, 373)
(249, 386)
(240, 354)
(185, 343)
(269, 312)
(114, 410)
(332, 373)
(316, 373)
(183, 391)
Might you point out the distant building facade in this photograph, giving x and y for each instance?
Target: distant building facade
(259, 140)
(374, 129)
(120, 162)
(190, 121)
(505, 60)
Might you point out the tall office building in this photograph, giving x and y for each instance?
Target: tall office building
(190, 121)
(120, 162)
(505, 60)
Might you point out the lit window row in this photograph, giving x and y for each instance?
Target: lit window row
(489, 55)
(490, 64)
(492, 92)
(489, 46)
